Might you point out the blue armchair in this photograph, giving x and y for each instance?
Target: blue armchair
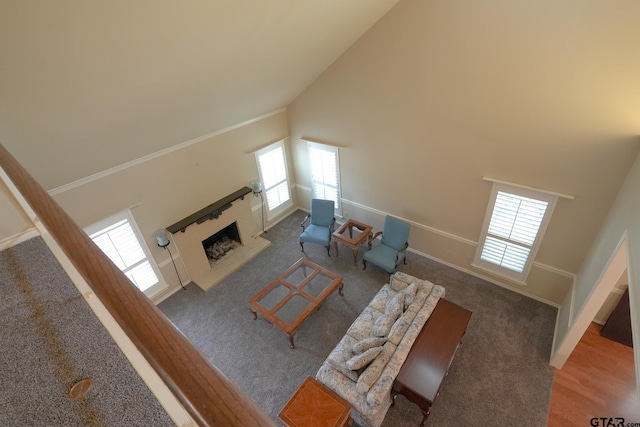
(321, 226)
(392, 248)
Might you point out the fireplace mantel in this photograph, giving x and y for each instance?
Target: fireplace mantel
(212, 211)
(189, 234)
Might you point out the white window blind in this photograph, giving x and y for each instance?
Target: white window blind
(118, 240)
(325, 173)
(272, 168)
(513, 230)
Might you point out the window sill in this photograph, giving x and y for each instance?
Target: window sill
(518, 282)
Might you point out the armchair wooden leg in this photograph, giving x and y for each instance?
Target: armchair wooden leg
(302, 246)
(328, 253)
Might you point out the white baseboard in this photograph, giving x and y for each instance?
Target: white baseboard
(18, 238)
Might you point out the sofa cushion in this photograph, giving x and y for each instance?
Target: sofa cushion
(399, 328)
(361, 360)
(361, 327)
(367, 343)
(400, 280)
(380, 300)
(341, 354)
(383, 325)
(370, 375)
(409, 294)
(424, 289)
(395, 306)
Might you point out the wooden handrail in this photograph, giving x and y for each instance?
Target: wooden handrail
(209, 397)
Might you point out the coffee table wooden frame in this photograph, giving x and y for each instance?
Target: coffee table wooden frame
(339, 236)
(314, 302)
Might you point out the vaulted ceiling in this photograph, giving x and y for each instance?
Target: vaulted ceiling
(88, 85)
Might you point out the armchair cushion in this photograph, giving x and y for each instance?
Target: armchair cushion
(383, 256)
(316, 234)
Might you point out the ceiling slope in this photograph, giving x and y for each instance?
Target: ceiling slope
(86, 86)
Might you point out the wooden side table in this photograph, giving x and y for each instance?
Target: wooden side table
(315, 405)
(354, 243)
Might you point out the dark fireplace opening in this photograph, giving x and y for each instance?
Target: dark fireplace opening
(222, 243)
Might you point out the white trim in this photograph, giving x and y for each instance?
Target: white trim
(167, 399)
(488, 279)
(554, 270)
(444, 234)
(18, 238)
(126, 214)
(315, 141)
(415, 224)
(508, 279)
(260, 147)
(303, 188)
(526, 187)
(492, 205)
(123, 166)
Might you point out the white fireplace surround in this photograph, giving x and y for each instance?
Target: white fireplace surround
(205, 274)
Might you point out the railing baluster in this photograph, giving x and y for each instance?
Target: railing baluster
(209, 397)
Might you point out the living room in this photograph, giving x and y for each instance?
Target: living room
(424, 105)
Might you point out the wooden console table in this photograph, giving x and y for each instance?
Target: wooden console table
(431, 355)
(313, 404)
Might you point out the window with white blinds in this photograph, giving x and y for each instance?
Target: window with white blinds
(513, 229)
(325, 173)
(272, 167)
(119, 239)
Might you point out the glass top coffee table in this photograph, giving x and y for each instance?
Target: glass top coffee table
(295, 295)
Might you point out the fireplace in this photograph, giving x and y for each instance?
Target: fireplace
(235, 222)
(222, 243)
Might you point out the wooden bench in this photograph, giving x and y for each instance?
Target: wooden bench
(431, 355)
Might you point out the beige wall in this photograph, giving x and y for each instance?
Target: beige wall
(430, 101)
(614, 254)
(170, 187)
(15, 225)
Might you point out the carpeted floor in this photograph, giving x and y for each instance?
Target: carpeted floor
(51, 339)
(500, 375)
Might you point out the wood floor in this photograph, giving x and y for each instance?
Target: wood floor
(598, 380)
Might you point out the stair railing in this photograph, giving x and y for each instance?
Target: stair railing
(207, 395)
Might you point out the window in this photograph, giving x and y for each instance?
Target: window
(325, 174)
(119, 238)
(515, 223)
(272, 167)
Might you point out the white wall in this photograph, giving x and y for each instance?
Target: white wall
(602, 269)
(165, 189)
(437, 96)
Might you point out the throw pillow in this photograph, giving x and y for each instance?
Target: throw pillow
(363, 359)
(339, 356)
(367, 343)
(383, 325)
(397, 284)
(370, 375)
(395, 305)
(409, 294)
(400, 327)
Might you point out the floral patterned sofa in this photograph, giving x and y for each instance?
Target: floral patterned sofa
(363, 365)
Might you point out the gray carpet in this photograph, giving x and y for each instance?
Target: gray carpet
(500, 375)
(50, 339)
